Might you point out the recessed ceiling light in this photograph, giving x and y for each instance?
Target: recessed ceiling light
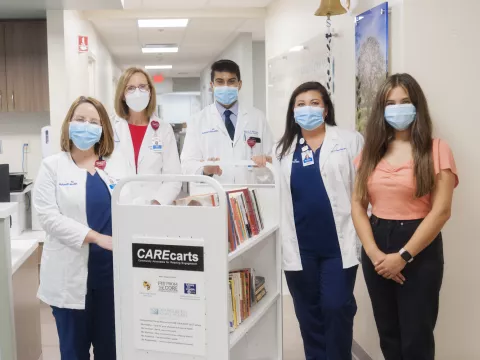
(158, 67)
(162, 23)
(297, 48)
(159, 49)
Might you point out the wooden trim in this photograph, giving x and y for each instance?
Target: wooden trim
(3, 71)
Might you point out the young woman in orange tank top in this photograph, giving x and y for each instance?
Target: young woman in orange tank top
(408, 178)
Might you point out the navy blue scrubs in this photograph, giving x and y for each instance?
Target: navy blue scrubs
(323, 291)
(79, 329)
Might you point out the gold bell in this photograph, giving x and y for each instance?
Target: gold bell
(330, 8)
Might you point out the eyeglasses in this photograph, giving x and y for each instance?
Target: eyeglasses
(90, 121)
(142, 87)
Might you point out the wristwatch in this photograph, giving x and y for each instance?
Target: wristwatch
(406, 255)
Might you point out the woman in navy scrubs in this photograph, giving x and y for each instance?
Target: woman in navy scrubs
(316, 174)
(73, 199)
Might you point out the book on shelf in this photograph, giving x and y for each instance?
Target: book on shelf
(243, 294)
(244, 216)
(198, 200)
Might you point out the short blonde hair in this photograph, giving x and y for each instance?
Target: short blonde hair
(121, 107)
(106, 144)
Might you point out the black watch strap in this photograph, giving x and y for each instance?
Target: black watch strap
(406, 255)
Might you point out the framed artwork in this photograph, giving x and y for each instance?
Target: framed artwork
(371, 59)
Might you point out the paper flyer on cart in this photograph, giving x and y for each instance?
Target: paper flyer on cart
(169, 298)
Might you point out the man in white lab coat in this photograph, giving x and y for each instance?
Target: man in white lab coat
(228, 132)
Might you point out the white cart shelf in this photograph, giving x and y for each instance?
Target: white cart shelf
(259, 337)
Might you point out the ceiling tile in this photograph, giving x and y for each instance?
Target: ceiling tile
(161, 36)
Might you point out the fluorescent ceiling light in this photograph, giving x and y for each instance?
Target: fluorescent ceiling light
(297, 48)
(162, 23)
(159, 49)
(158, 67)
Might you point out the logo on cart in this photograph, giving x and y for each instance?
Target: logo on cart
(154, 311)
(168, 257)
(167, 286)
(146, 285)
(190, 289)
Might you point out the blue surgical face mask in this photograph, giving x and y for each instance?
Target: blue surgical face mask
(400, 117)
(84, 135)
(309, 117)
(226, 95)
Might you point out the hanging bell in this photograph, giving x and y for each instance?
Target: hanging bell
(330, 8)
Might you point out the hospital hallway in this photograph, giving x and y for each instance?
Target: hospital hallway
(242, 135)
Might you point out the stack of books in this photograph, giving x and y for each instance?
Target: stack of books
(244, 213)
(245, 290)
(244, 216)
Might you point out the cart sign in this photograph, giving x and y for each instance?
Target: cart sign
(169, 297)
(82, 44)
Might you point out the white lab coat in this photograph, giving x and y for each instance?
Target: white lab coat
(338, 151)
(149, 162)
(59, 198)
(207, 137)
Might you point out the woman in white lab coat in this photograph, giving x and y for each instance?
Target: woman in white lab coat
(147, 143)
(72, 197)
(315, 173)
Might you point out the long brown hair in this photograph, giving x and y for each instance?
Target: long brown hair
(379, 133)
(106, 144)
(292, 129)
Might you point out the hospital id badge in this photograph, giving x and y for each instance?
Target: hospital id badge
(157, 145)
(112, 182)
(307, 158)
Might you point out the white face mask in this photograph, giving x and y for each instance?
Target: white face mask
(138, 101)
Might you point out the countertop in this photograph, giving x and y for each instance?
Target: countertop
(38, 235)
(21, 251)
(7, 209)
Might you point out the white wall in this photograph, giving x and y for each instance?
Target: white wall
(68, 69)
(444, 58)
(442, 53)
(240, 51)
(178, 108)
(165, 87)
(186, 84)
(259, 68)
(16, 130)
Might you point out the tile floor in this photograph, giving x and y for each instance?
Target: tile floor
(293, 347)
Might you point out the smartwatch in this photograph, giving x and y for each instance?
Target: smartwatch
(406, 255)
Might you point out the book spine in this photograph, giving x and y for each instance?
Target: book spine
(231, 227)
(255, 211)
(255, 197)
(251, 213)
(243, 229)
(231, 325)
(241, 200)
(236, 217)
